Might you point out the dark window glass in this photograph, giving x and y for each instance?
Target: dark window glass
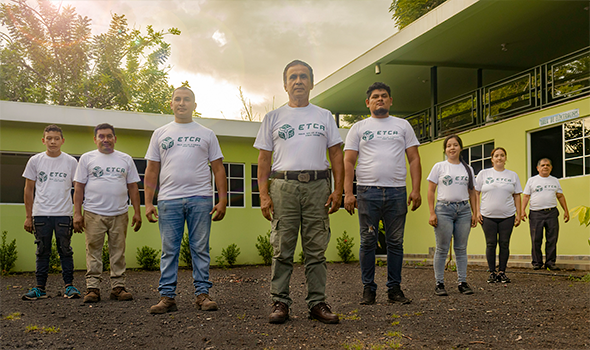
(487, 149)
(12, 166)
(476, 153)
(254, 183)
(487, 163)
(236, 185)
(255, 200)
(587, 146)
(236, 170)
(140, 164)
(574, 167)
(587, 167)
(465, 154)
(573, 129)
(477, 166)
(236, 199)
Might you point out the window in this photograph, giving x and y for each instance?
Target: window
(141, 165)
(255, 189)
(235, 185)
(479, 156)
(576, 150)
(566, 145)
(12, 166)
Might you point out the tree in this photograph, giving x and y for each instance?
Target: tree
(350, 119)
(247, 112)
(49, 56)
(407, 11)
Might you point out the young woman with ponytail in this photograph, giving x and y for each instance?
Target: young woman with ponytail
(454, 213)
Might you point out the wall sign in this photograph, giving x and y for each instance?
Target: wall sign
(559, 117)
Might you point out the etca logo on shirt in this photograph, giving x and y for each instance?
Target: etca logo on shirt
(167, 143)
(53, 176)
(181, 141)
(380, 134)
(447, 180)
(458, 180)
(97, 171)
(539, 188)
(286, 131)
(489, 180)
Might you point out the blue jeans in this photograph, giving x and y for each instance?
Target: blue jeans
(172, 216)
(387, 204)
(44, 228)
(454, 221)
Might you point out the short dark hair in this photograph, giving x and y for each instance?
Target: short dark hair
(53, 127)
(378, 86)
(547, 159)
(297, 63)
(460, 142)
(104, 126)
(184, 88)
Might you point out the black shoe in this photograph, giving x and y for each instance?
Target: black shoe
(368, 296)
(464, 288)
(280, 313)
(493, 278)
(322, 313)
(502, 278)
(395, 295)
(552, 267)
(537, 267)
(440, 290)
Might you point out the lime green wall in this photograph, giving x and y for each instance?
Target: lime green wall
(243, 225)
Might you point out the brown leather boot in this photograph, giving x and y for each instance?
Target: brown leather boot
(205, 303)
(322, 313)
(119, 293)
(280, 313)
(166, 304)
(92, 295)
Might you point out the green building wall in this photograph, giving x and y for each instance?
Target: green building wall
(242, 225)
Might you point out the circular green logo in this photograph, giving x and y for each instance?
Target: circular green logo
(167, 143)
(97, 171)
(368, 135)
(489, 180)
(447, 180)
(42, 177)
(286, 132)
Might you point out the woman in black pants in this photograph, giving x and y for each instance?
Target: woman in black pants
(499, 211)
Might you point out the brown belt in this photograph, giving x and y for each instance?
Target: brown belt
(302, 176)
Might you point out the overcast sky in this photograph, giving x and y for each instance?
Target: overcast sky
(247, 43)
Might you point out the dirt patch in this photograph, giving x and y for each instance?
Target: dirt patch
(536, 311)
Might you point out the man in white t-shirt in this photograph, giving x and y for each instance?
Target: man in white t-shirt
(48, 205)
(543, 190)
(381, 144)
(294, 138)
(105, 178)
(180, 152)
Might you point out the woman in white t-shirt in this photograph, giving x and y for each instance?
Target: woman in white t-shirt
(499, 211)
(453, 215)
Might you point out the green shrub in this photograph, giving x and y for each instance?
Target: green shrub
(230, 254)
(106, 260)
(8, 254)
(265, 248)
(344, 246)
(185, 251)
(54, 260)
(147, 258)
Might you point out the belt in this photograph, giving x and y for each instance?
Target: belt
(546, 209)
(302, 175)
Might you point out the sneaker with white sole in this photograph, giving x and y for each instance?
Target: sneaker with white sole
(72, 292)
(35, 293)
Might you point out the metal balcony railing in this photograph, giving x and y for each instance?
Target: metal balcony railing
(554, 82)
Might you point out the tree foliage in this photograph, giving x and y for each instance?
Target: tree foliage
(49, 56)
(407, 11)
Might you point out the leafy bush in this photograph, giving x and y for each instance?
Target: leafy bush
(54, 260)
(265, 249)
(185, 251)
(147, 258)
(8, 254)
(106, 259)
(344, 246)
(229, 255)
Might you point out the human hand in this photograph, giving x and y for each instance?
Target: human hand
(151, 213)
(79, 224)
(136, 222)
(516, 221)
(219, 210)
(336, 199)
(350, 203)
(524, 216)
(266, 206)
(566, 216)
(480, 218)
(433, 220)
(415, 199)
(474, 220)
(29, 225)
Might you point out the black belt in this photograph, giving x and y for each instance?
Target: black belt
(302, 175)
(546, 209)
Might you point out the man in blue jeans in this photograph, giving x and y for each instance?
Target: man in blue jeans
(180, 153)
(381, 143)
(48, 205)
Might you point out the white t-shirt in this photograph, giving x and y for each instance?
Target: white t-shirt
(53, 178)
(184, 151)
(106, 177)
(452, 181)
(382, 144)
(299, 137)
(543, 191)
(497, 189)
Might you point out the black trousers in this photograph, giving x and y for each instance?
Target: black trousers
(498, 232)
(547, 219)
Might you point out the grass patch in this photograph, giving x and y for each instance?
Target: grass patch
(13, 316)
(352, 316)
(35, 328)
